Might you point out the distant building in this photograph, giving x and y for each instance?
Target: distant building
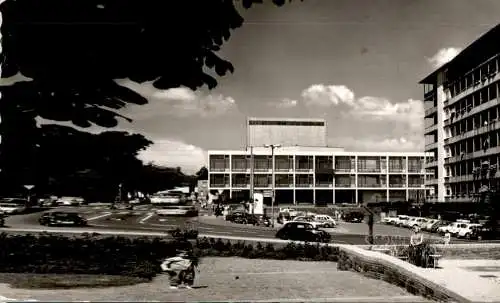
(287, 132)
(461, 131)
(307, 171)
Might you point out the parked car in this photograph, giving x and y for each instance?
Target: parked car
(353, 217)
(62, 219)
(70, 201)
(465, 230)
(450, 228)
(441, 223)
(417, 223)
(400, 221)
(302, 231)
(308, 219)
(325, 221)
(485, 233)
(427, 225)
(389, 220)
(242, 218)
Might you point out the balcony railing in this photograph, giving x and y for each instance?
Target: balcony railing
(284, 184)
(463, 178)
(431, 164)
(397, 169)
(430, 111)
(430, 128)
(303, 184)
(283, 169)
(474, 88)
(492, 126)
(369, 170)
(397, 185)
(370, 185)
(344, 185)
(415, 185)
(431, 146)
(476, 154)
(241, 185)
(324, 184)
(262, 185)
(303, 169)
(212, 184)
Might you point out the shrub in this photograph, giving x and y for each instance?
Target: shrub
(139, 257)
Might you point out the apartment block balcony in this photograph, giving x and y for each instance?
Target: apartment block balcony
(397, 181)
(219, 163)
(369, 170)
(462, 178)
(431, 146)
(431, 164)
(430, 129)
(284, 181)
(240, 163)
(324, 180)
(304, 181)
(262, 181)
(493, 125)
(219, 180)
(478, 85)
(304, 164)
(262, 164)
(370, 185)
(345, 185)
(345, 164)
(477, 154)
(430, 111)
(324, 165)
(431, 181)
(283, 163)
(371, 181)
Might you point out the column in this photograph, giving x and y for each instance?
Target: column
(314, 179)
(387, 177)
(406, 178)
(356, 198)
(230, 176)
(333, 172)
(294, 184)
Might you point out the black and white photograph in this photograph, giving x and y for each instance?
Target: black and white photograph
(250, 151)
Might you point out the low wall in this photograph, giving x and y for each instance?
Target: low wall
(472, 251)
(392, 270)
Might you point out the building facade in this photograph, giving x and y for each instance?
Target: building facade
(287, 132)
(462, 109)
(318, 175)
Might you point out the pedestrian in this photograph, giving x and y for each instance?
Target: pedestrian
(181, 269)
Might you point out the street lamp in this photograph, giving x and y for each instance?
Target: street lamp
(273, 194)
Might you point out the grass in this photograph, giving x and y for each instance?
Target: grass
(237, 279)
(57, 281)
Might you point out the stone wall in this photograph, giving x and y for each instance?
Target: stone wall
(392, 272)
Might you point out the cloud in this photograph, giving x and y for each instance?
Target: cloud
(415, 143)
(410, 112)
(285, 103)
(174, 153)
(179, 102)
(443, 56)
(327, 95)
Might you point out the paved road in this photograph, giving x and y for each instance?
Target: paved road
(145, 221)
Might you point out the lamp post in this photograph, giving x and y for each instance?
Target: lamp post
(273, 194)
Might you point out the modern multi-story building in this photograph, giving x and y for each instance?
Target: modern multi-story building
(318, 175)
(287, 132)
(461, 110)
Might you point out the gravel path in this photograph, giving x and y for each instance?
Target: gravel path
(257, 280)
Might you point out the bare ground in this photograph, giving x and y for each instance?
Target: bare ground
(234, 279)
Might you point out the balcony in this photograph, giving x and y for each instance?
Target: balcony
(370, 185)
(492, 78)
(492, 126)
(463, 178)
(416, 185)
(241, 185)
(430, 129)
(324, 184)
(430, 111)
(240, 165)
(283, 164)
(431, 164)
(487, 105)
(284, 185)
(433, 181)
(369, 170)
(431, 146)
(345, 185)
(473, 155)
(304, 185)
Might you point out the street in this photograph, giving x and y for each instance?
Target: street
(147, 221)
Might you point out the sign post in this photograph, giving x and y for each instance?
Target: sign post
(29, 188)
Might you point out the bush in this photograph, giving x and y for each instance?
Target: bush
(141, 257)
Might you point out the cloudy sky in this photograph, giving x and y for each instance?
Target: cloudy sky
(355, 63)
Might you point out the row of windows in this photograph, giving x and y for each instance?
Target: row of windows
(287, 123)
(471, 101)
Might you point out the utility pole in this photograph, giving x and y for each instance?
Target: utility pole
(273, 191)
(251, 178)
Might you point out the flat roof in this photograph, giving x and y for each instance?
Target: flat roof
(302, 150)
(476, 52)
(285, 119)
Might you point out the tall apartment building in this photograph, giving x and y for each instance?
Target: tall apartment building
(461, 114)
(319, 175)
(287, 132)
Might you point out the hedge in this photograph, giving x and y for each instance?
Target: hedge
(141, 257)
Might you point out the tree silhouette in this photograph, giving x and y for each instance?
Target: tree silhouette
(74, 51)
(202, 174)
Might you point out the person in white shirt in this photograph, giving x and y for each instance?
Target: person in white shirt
(181, 270)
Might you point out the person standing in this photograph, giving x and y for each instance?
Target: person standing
(181, 269)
